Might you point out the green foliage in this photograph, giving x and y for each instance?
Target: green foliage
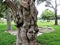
(1, 15)
(47, 15)
(2, 8)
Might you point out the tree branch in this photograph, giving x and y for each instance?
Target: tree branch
(49, 4)
(58, 4)
(10, 4)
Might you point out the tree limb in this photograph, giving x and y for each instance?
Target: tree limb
(49, 4)
(58, 4)
(10, 4)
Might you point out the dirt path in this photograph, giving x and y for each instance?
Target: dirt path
(41, 31)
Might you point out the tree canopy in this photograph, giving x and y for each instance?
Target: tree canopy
(47, 15)
(2, 9)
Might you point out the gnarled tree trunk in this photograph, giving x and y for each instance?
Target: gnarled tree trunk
(25, 18)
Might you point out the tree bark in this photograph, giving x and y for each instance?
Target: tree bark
(8, 17)
(56, 21)
(26, 22)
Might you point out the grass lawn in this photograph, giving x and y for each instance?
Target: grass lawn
(3, 26)
(6, 38)
(52, 38)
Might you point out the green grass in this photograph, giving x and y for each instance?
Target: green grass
(3, 26)
(44, 23)
(6, 38)
(52, 38)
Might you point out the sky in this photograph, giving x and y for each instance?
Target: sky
(41, 7)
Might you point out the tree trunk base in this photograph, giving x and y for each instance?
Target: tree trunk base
(31, 43)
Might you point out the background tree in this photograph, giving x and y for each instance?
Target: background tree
(2, 9)
(5, 13)
(47, 15)
(54, 7)
(8, 18)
